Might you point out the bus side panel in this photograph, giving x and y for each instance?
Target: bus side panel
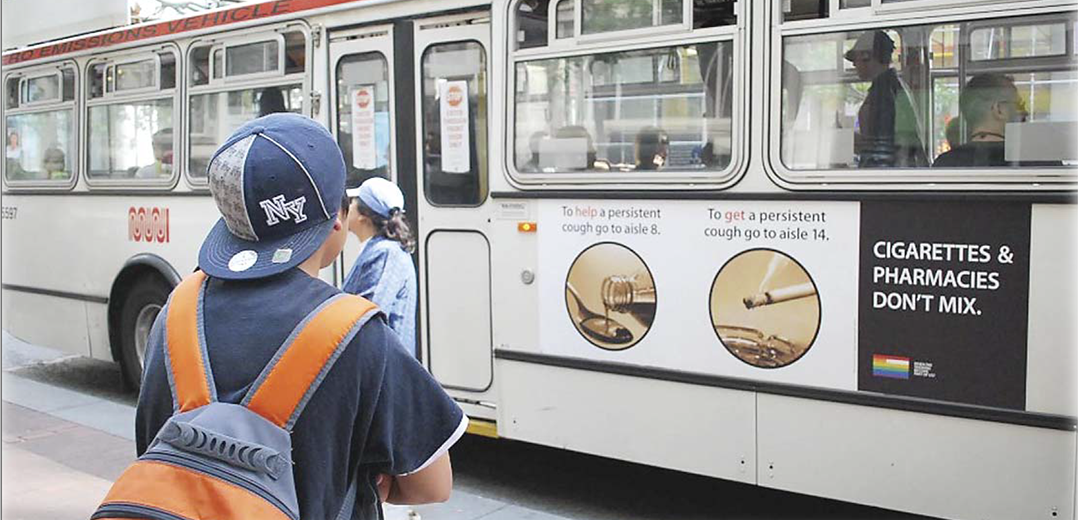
(942, 466)
(697, 429)
(1053, 301)
(62, 327)
(97, 327)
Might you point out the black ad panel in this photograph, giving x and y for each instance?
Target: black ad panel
(944, 292)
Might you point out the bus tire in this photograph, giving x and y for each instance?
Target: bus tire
(140, 308)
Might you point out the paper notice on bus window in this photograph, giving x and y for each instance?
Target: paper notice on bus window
(364, 149)
(456, 144)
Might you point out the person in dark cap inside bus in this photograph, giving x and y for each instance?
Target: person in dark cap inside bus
(889, 131)
(987, 104)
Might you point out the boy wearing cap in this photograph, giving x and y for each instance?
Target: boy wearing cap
(279, 182)
(384, 272)
(889, 129)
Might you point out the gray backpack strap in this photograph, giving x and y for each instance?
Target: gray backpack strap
(287, 383)
(349, 499)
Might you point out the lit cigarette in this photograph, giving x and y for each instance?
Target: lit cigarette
(782, 294)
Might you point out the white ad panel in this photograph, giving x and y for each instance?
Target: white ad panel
(750, 289)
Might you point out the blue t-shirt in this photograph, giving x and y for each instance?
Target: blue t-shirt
(377, 410)
(385, 275)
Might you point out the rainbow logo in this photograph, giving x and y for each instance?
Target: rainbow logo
(895, 367)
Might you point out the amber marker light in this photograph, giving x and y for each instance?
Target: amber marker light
(526, 227)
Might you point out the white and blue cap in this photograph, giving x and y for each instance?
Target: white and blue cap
(380, 195)
(278, 182)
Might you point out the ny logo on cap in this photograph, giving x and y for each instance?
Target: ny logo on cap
(278, 209)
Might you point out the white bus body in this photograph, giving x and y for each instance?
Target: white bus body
(598, 187)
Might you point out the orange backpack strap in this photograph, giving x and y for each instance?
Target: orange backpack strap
(186, 360)
(299, 366)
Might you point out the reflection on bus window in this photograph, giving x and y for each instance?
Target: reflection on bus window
(363, 105)
(43, 146)
(455, 124)
(880, 99)
(131, 140)
(214, 116)
(673, 103)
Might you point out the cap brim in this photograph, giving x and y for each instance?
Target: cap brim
(352, 192)
(271, 256)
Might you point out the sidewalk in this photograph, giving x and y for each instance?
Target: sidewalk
(62, 450)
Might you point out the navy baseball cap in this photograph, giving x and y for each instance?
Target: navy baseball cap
(278, 182)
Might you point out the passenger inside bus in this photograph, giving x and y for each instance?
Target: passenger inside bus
(987, 104)
(890, 131)
(54, 163)
(271, 101)
(652, 148)
(162, 155)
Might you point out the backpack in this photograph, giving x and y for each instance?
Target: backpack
(222, 461)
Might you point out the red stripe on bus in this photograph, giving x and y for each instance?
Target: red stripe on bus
(239, 14)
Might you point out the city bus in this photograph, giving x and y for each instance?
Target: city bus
(822, 246)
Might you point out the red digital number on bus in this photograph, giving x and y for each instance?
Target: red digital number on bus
(148, 225)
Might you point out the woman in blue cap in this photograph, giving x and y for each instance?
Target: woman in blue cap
(384, 272)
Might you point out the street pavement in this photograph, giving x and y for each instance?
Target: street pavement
(62, 449)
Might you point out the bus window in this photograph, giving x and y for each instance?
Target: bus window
(41, 89)
(618, 15)
(253, 58)
(1018, 41)
(214, 116)
(11, 93)
(39, 125)
(295, 52)
(137, 75)
(200, 66)
(531, 23)
(566, 19)
(363, 81)
(131, 140)
(645, 110)
(235, 80)
(128, 135)
(43, 146)
(893, 103)
(455, 149)
(794, 10)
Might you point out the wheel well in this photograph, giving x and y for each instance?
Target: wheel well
(128, 277)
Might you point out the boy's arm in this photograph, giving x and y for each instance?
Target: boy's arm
(413, 424)
(431, 484)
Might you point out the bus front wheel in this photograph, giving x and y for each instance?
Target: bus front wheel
(140, 309)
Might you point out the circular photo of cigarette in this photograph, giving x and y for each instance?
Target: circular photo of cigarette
(765, 308)
(610, 296)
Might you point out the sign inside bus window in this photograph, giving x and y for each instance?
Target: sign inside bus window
(148, 225)
(456, 142)
(364, 145)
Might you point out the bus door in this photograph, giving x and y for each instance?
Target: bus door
(363, 93)
(452, 106)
